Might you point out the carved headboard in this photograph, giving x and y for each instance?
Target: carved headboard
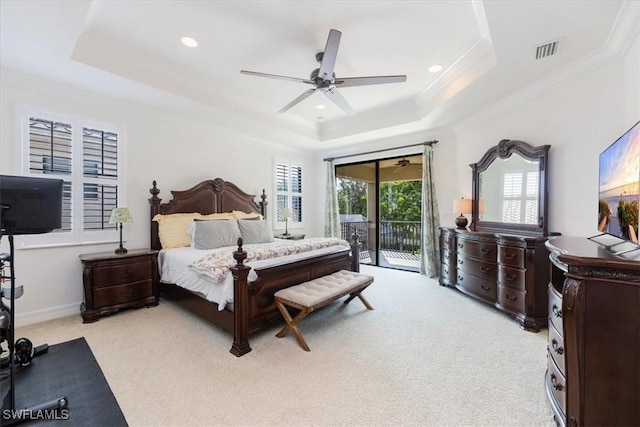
(207, 197)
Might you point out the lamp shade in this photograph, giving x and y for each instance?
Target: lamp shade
(120, 216)
(462, 206)
(285, 213)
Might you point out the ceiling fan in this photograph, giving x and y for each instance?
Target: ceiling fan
(403, 163)
(324, 79)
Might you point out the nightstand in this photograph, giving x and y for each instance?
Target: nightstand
(116, 281)
(290, 236)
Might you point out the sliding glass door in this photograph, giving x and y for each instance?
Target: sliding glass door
(380, 201)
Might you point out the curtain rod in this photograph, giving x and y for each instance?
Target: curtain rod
(429, 143)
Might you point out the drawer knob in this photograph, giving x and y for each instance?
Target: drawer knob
(485, 270)
(460, 262)
(510, 257)
(556, 311)
(511, 277)
(510, 298)
(556, 347)
(485, 288)
(460, 278)
(460, 245)
(485, 251)
(555, 384)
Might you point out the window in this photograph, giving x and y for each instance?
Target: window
(520, 197)
(86, 156)
(289, 192)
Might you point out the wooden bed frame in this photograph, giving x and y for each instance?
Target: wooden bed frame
(253, 302)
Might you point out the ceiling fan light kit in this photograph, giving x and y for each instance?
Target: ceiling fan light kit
(324, 79)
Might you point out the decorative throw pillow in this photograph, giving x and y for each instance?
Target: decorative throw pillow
(214, 234)
(172, 229)
(245, 215)
(225, 215)
(255, 231)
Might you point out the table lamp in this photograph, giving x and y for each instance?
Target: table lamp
(286, 214)
(120, 216)
(464, 207)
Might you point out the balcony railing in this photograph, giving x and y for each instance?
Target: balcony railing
(402, 236)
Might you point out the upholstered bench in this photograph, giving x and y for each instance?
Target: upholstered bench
(317, 293)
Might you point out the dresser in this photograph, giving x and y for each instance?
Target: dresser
(115, 281)
(510, 272)
(593, 362)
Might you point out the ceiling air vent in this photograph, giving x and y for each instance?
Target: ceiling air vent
(548, 49)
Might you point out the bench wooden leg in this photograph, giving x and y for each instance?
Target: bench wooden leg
(292, 325)
(362, 298)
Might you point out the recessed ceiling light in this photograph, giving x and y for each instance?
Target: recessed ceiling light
(189, 41)
(435, 68)
(320, 107)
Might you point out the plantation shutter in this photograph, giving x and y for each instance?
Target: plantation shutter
(288, 191)
(50, 153)
(99, 169)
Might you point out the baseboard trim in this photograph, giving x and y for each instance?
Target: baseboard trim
(24, 319)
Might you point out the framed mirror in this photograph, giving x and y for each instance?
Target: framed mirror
(510, 189)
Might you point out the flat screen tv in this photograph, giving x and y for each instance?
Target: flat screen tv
(619, 187)
(30, 205)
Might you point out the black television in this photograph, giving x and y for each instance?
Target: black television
(619, 187)
(30, 205)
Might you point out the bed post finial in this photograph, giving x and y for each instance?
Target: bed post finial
(263, 204)
(240, 255)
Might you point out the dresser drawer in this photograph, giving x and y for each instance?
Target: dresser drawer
(556, 348)
(449, 257)
(557, 384)
(119, 274)
(479, 250)
(482, 269)
(448, 243)
(555, 309)
(121, 294)
(513, 257)
(484, 289)
(447, 273)
(511, 298)
(512, 277)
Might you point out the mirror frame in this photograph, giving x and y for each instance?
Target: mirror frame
(504, 150)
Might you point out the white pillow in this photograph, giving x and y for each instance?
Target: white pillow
(212, 234)
(255, 231)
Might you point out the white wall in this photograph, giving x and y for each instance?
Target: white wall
(579, 119)
(176, 150)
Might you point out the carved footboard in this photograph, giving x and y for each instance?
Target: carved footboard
(254, 306)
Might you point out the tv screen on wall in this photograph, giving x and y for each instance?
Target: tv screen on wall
(619, 186)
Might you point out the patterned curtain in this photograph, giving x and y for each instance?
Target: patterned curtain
(331, 210)
(429, 242)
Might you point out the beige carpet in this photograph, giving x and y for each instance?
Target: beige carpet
(427, 355)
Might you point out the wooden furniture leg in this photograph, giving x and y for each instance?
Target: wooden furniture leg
(292, 325)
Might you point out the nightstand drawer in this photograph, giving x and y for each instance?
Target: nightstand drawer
(122, 294)
(121, 274)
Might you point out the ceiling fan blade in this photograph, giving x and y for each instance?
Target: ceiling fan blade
(276, 76)
(373, 80)
(297, 100)
(336, 98)
(329, 55)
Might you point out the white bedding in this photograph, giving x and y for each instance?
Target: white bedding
(176, 266)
